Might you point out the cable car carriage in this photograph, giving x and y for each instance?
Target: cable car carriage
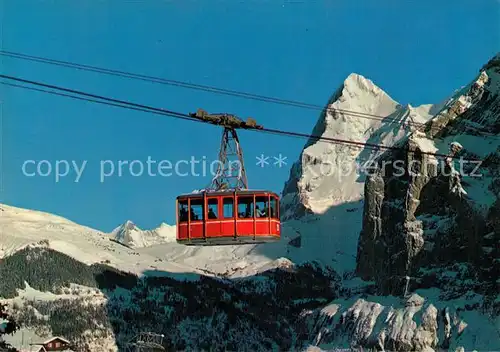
(227, 212)
(228, 217)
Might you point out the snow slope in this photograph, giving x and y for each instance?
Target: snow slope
(159, 251)
(22, 227)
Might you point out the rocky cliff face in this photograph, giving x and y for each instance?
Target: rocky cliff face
(423, 213)
(390, 324)
(430, 226)
(322, 201)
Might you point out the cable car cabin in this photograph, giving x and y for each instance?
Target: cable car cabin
(228, 217)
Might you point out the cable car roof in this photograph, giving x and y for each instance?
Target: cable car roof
(226, 192)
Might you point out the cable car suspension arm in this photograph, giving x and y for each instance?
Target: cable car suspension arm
(227, 176)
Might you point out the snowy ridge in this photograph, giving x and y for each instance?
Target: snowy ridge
(132, 236)
(23, 227)
(154, 250)
(474, 132)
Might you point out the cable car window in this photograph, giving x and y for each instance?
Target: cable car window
(274, 208)
(245, 207)
(183, 212)
(228, 205)
(196, 210)
(261, 206)
(213, 211)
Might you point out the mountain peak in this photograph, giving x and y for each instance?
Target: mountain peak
(358, 94)
(129, 225)
(126, 227)
(129, 234)
(357, 81)
(358, 111)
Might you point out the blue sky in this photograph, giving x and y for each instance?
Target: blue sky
(417, 51)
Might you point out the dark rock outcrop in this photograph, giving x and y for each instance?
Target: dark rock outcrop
(424, 212)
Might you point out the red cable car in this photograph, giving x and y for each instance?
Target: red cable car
(227, 212)
(228, 217)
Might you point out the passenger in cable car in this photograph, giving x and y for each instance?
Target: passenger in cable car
(248, 211)
(193, 215)
(211, 214)
(183, 214)
(265, 212)
(258, 212)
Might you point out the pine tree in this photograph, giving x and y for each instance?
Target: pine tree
(8, 326)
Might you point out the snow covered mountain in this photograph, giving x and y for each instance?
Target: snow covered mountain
(367, 260)
(132, 236)
(322, 201)
(143, 250)
(307, 188)
(447, 209)
(361, 112)
(23, 228)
